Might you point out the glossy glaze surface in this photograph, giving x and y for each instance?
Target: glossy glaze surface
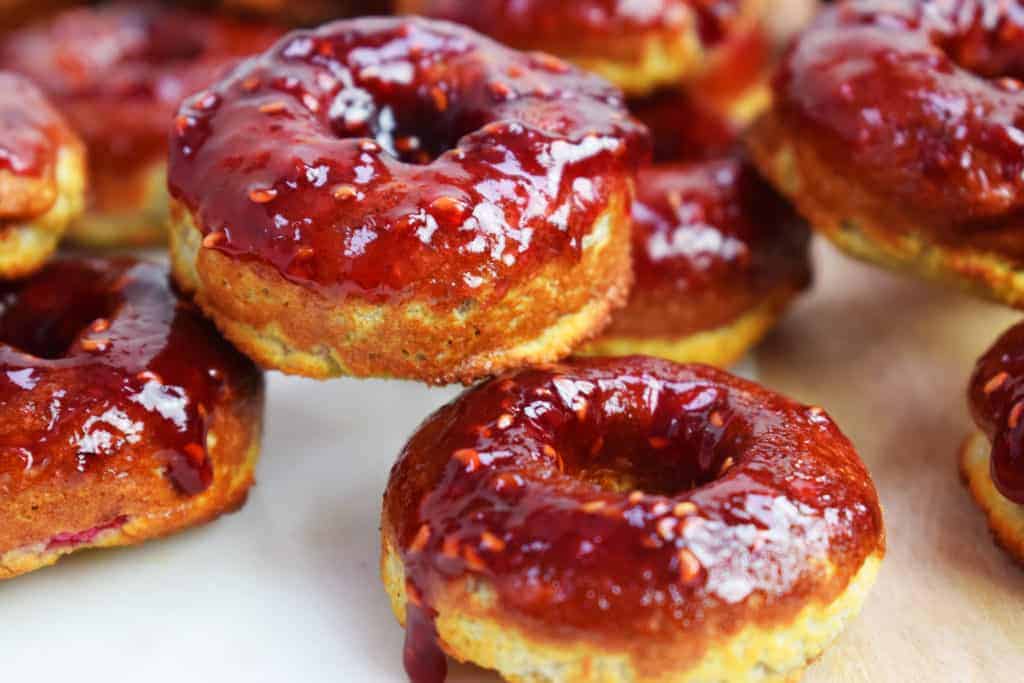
(31, 131)
(532, 22)
(398, 158)
(699, 225)
(629, 501)
(919, 101)
(996, 397)
(105, 371)
(119, 72)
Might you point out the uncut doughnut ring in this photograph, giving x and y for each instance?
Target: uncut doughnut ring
(42, 177)
(123, 414)
(897, 132)
(627, 519)
(118, 72)
(404, 198)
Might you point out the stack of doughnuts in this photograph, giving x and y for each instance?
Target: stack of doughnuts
(717, 254)
(407, 198)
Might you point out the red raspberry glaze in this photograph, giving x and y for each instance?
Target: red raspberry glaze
(391, 158)
(919, 101)
(739, 496)
(119, 71)
(103, 370)
(996, 396)
(697, 225)
(31, 131)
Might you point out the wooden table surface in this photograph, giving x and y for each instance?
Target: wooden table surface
(888, 357)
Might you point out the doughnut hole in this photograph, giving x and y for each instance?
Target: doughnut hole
(45, 321)
(624, 459)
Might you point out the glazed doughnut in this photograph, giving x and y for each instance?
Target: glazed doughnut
(992, 460)
(118, 73)
(404, 198)
(718, 255)
(895, 131)
(123, 415)
(627, 520)
(42, 177)
(640, 46)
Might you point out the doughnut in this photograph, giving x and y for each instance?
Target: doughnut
(627, 519)
(895, 132)
(718, 255)
(42, 177)
(640, 46)
(401, 197)
(123, 414)
(992, 459)
(118, 72)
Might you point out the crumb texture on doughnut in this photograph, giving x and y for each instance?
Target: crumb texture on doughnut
(627, 519)
(42, 177)
(124, 416)
(457, 209)
(889, 160)
(1005, 518)
(117, 72)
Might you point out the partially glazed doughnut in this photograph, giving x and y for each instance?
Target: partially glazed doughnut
(404, 198)
(992, 460)
(627, 519)
(640, 46)
(123, 414)
(118, 72)
(718, 255)
(42, 177)
(897, 131)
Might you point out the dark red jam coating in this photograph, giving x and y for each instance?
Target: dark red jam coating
(696, 225)
(704, 216)
(118, 72)
(920, 100)
(31, 131)
(631, 501)
(561, 22)
(996, 397)
(105, 371)
(395, 158)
